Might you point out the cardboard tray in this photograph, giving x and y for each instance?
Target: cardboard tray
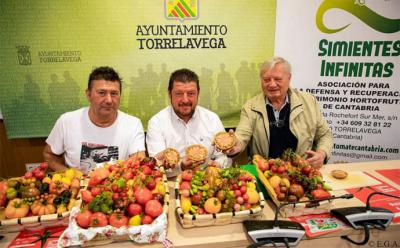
(297, 209)
(189, 220)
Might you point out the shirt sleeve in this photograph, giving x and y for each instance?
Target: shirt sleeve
(156, 143)
(244, 130)
(137, 141)
(155, 139)
(56, 137)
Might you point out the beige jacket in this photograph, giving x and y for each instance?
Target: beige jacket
(306, 123)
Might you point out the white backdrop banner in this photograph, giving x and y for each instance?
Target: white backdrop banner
(346, 53)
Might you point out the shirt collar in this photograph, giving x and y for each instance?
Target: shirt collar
(176, 117)
(267, 102)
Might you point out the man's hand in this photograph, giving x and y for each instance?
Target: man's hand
(316, 158)
(186, 163)
(161, 157)
(235, 149)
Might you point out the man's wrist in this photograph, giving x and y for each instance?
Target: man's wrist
(232, 155)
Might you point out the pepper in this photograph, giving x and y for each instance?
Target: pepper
(204, 187)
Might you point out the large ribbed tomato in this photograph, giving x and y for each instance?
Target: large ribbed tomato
(98, 219)
(83, 219)
(153, 208)
(118, 219)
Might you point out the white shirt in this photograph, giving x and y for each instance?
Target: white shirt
(167, 130)
(84, 144)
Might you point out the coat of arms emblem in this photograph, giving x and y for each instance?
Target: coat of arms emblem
(182, 9)
(24, 55)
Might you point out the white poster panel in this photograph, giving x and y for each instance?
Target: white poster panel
(346, 53)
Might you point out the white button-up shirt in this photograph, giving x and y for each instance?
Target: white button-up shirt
(167, 130)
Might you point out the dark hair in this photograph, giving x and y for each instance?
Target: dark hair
(106, 73)
(184, 76)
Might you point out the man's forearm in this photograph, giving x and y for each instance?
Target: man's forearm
(56, 163)
(57, 166)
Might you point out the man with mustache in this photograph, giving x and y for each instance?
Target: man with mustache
(97, 133)
(184, 123)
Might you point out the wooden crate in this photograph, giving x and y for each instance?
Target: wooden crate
(189, 220)
(36, 222)
(108, 234)
(292, 210)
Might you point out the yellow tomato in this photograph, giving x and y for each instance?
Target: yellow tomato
(56, 177)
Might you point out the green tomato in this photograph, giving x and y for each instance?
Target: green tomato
(105, 209)
(11, 193)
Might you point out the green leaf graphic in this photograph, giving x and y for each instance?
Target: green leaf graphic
(362, 12)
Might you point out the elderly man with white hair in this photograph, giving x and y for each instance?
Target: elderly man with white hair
(281, 117)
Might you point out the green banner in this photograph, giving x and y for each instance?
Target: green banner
(49, 48)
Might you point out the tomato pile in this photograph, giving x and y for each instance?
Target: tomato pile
(215, 190)
(39, 193)
(293, 178)
(125, 193)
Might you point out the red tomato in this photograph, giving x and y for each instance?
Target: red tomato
(128, 175)
(243, 189)
(306, 170)
(187, 175)
(36, 170)
(39, 175)
(196, 198)
(184, 185)
(153, 208)
(281, 170)
(98, 219)
(320, 194)
(43, 166)
(87, 196)
(83, 219)
(115, 196)
(263, 165)
(149, 162)
(134, 209)
(117, 220)
(143, 195)
(151, 185)
(157, 173)
(147, 219)
(94, 180)
(28, 174)
(3, 186)
(146, 170)
(95, 191)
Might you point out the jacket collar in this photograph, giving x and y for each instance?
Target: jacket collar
(296, 106)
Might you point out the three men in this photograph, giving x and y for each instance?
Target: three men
(271, 122)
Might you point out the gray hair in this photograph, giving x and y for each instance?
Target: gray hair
(273, 62)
